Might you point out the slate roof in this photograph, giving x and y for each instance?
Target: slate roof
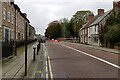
(101, 17)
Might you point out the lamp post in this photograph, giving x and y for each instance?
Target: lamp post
(26, 48)
(64, 31)
(15, 50)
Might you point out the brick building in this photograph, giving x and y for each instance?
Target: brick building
(89, 33)
(31, 32)
(11, 18)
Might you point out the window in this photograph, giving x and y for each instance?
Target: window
(4, 13)
(8, 16)
(16, 35)
(22, 36)
(95, 28)
(12, 34)
(12, 19)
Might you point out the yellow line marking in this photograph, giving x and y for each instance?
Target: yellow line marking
(46, 67)
(39, 72)
(51, 74)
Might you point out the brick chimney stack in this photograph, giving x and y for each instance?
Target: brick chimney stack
(91, 17)
(100, 11)
(116, 4)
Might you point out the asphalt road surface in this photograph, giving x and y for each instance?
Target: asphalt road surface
(78, 61)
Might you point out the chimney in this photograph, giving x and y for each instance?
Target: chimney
(91, 17)
(115, 4)
(100, 11)
(25, 14)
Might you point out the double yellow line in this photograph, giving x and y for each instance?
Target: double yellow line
(48, 65)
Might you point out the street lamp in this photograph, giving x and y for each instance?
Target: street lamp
(15, 50)
(26, 48)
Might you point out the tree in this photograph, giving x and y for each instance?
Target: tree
(111, 31)
(64, 23)
(53, 31)
(78, 19)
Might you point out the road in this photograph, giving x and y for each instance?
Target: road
(78, 61)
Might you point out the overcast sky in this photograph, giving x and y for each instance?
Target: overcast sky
(42, 12)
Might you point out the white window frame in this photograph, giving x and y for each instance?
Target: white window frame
(4, 14)
(8, 16)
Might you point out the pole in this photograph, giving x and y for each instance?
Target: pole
(64, 31)
(37, 49)
(15, 50)
(26, 49)
(34, 54)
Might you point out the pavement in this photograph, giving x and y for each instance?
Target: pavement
(79, 61)
(15, 67)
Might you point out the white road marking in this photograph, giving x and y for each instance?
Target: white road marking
(102, 60)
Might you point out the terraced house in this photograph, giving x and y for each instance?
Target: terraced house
(89, 33)
(12, 21)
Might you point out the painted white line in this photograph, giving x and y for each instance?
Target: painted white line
(102, 60)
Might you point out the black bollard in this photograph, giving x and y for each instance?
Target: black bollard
(34, 53)
(37, 49)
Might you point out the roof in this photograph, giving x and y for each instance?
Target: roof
(88, 23)
(101, 17)
(16, 7)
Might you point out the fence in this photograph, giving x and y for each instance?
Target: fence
(7, 49)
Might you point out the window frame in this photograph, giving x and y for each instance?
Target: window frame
(8, 16)
(12, 19)
(4, 14)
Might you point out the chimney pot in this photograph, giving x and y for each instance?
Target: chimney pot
(100, 11)
(91, 17)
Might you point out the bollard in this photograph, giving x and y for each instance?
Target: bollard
(37, 49)
(40, 43)
(34, 53)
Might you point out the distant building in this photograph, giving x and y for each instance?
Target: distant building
(8, 23)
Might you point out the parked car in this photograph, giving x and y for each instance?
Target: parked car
(52, 40)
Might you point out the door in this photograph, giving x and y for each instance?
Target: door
(6, 35)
